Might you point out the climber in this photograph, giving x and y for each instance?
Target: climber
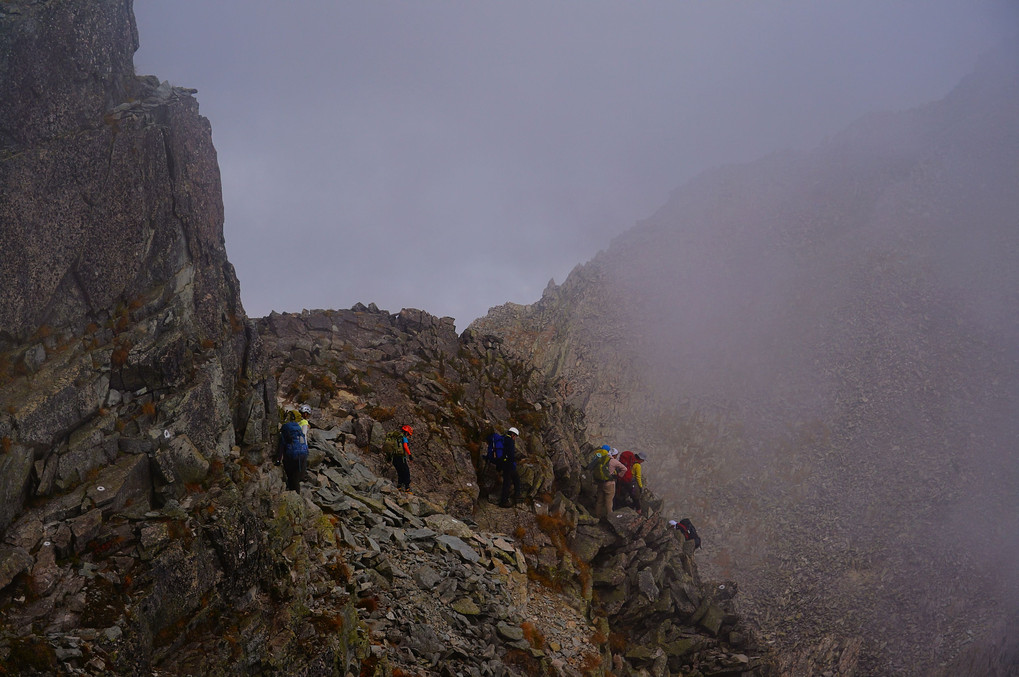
(397, 447)
(606, 468)
(630, 483)
(509, 468)
(624, 481)
(638, 481)
(689, 531)
(305, 411)
(488, 482)
(292, 451)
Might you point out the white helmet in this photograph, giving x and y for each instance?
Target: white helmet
(304, 409)
(514, 431)
(672, 523)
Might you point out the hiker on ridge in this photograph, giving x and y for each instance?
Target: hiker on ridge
(401, 456)
(630, 485)
(305, 413)
(490, 471)
(624, 482)
(637, 490)
(689, 531)
(292, 450)
(606, 468)
(510, 476)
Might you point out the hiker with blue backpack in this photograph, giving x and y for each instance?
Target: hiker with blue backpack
(489, 481)
(292, 449)
(510, 476)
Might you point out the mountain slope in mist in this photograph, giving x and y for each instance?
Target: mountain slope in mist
(819, 350)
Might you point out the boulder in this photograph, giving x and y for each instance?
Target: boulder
(183, 461)
(127, 482)
(45, 572)
(589, 540)
(73, 466)
(647, 585)
(85, 528)
(458, 546)
(15, 470)
(427, 577)
(13, 561)
(363, 429)
(25, 533)
(510, 633)
(446, 524)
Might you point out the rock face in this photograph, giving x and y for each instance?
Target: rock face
(143, 526)
(818, 350)
(117, 287)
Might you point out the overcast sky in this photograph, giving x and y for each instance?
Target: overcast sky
(454, 155)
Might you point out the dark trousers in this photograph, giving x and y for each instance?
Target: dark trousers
(510, 476)
(627, 493)
(295, 467)
(489, 479)
(402, 471)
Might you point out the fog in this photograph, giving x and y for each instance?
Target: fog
(831, 340)
(454, 156)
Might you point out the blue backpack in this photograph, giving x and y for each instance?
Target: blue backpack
(294, 443)
(495, 449)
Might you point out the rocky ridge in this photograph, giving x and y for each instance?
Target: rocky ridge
(629, 583)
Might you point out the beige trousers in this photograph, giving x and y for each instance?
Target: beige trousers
(603, 498)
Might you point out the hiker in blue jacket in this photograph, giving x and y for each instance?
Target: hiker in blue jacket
(510, 476)
(292, 450)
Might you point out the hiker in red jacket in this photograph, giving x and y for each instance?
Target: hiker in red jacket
(630, 483)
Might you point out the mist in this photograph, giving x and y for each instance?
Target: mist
(830, 338)
(491, 147)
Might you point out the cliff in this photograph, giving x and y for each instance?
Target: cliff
(132, 386)
(818, 352)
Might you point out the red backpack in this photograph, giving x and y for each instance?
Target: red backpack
(627, 458)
